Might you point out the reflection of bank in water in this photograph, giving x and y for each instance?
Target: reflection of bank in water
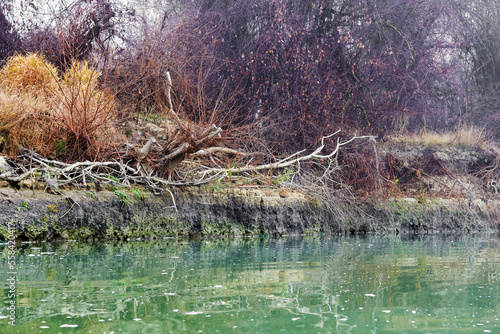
(262, 285)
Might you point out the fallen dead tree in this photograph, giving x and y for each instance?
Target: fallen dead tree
(56, 174)
(182, 139)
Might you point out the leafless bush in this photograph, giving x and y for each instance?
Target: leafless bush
(71, 33)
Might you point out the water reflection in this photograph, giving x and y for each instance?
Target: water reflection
(373, 284)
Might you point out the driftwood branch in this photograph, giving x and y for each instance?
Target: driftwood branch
(177, 150)
(290, 160)
(171, 110)
(31, 165)
(208, 133)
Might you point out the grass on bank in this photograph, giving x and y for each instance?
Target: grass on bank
(465, 136)
(65, 115)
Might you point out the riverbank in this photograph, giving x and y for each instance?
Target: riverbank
(205, 212)
(425, 190)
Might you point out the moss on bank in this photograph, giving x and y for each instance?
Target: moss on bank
(229, 213)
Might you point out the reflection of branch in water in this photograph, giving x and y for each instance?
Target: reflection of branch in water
(120, 307)
(293, 306)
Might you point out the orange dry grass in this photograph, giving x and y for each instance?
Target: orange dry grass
(26, 85)
(24, 123)
(31, 73)
(40, 111)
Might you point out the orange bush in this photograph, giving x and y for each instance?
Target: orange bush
(30, 73)
(70, 116)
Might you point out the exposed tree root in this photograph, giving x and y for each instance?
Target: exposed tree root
(56, 174)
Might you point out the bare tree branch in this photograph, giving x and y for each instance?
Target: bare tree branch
(212, 150)
(287, 162)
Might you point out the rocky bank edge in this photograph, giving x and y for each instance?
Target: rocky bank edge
(206, 212)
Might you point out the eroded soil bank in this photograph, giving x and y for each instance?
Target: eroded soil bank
(206, 212)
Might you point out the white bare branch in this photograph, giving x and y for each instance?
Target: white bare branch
(288, 161)
(213, 150)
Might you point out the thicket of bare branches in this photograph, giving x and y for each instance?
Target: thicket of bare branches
(227, 86)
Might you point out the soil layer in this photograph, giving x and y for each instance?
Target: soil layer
(232, 212)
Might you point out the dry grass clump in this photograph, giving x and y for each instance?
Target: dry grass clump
(465, 136)
(23, 123)
(31, 73)
(26, 87)
(68, 117)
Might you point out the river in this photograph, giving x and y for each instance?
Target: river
(372, 284)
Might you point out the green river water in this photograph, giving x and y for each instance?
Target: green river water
(438, 284)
